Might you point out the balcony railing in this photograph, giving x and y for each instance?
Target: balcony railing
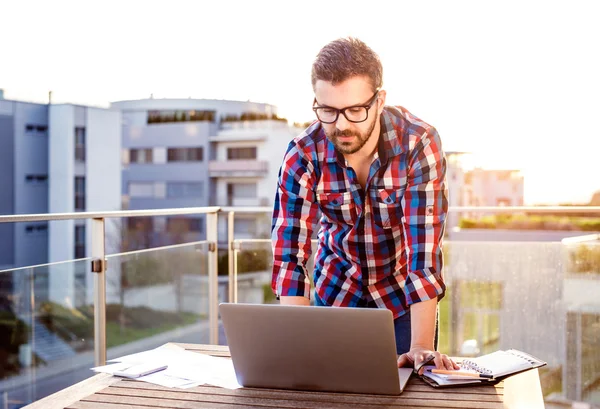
(502, 292)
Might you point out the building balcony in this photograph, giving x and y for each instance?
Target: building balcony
(238, 168)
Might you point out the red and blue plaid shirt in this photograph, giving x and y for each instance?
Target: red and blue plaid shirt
(380, 246)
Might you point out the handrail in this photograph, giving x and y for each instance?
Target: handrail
(109, 214)
(160, 248)
(456, 209)
(265, 209)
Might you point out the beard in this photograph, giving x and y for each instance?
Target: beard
(348, 148)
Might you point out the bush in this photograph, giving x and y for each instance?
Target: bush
(67, 323)
(13, 334)
(248, 261)
(585, 259)
(531, 222)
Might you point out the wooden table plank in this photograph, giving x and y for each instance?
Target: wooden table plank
(292, 399)
(133, 388)
(75, 392)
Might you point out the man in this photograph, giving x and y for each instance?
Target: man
(377, 175)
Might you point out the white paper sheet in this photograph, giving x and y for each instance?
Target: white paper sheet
(185, 369)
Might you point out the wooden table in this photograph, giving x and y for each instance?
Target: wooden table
(105, 391)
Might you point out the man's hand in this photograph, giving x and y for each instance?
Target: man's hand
(416, 356)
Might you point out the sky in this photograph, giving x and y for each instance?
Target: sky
(516, 83)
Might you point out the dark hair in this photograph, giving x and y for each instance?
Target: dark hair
(345, 58)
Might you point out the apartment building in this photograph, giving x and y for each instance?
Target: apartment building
(474, 186)
(199, 152)
(54, 159)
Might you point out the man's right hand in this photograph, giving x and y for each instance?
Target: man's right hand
(294, 300)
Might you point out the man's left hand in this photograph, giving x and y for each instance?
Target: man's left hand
(416, 356)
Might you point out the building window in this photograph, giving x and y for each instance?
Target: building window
(36, 228)
(178, 225)
(241, 153)
(141, 189)
(140, 155)
(168, 116)
(34, 128)
(242, 190)
(184, 190)
(36, 178)
(185, 154)
(80, 241)
(79, 193)
(80, 144)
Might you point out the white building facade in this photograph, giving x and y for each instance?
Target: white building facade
(55, 159)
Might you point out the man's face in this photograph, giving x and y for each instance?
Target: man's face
(349, 137)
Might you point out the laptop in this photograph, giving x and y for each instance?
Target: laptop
(314, 348)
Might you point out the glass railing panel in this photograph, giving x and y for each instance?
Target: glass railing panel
(254, 264)
(157, 296)
(539, 297)
(46, 330)
(582, 305)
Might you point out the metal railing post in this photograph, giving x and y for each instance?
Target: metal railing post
(213, 276)
(236, 251)
(231, 258)
(99, 255)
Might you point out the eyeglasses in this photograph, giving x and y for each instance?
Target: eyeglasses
(356, 113)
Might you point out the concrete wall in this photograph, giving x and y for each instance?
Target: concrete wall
(31, 197)
(61, 164)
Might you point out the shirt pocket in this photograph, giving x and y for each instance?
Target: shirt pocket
(386, 208)
(338, 207)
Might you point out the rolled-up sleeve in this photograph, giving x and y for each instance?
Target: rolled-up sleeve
(294, 216)
(425, 206)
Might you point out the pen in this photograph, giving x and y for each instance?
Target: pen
(458, 373)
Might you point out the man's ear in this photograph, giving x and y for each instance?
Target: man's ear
(381, 101)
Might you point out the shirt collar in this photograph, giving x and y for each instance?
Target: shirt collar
(390, 136)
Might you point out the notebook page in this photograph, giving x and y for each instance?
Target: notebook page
(497, 363)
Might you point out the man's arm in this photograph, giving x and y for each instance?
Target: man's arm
(294, 300)
(422, 324)
(425, 205)
(294, 216)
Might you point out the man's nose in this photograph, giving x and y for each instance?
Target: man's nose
(342, 123)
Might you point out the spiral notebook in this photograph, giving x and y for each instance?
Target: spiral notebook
(486, 369)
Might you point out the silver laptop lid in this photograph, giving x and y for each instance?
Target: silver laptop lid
(313, 348)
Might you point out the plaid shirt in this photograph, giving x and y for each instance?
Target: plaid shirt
(377, 247)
